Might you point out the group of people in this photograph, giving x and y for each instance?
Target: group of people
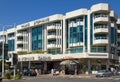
(32, 72)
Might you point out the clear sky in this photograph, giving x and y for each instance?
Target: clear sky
(21, 11)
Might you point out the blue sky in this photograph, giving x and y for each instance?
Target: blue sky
(21, 11)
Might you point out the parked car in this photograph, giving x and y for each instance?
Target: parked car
(104, 73)
(118, 72)
(26, 72)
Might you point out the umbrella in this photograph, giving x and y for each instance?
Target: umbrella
(68, 62)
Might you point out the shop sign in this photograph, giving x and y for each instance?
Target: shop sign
(67, 57)
(31, 58)
(24, 59)
(28, 59)
(44, 58)
(37, 22)
(25, 25)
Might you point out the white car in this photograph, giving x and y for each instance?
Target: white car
(103, 73)
(118, 72)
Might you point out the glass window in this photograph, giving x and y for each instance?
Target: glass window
(37, 40)
(11, 45)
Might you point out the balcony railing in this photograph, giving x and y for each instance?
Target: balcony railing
(101, 18)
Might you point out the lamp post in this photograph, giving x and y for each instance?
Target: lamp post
(3, 26)
(3, 50)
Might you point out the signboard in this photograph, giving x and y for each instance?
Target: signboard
(44, 58)
(25, 25)
(37, 22)
(67, 57)
(28, 59)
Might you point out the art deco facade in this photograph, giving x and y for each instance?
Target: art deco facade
(89, 36)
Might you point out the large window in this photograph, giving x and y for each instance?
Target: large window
(76, 50)
(11, 35)
(37, 38)
(113, 35)
(54, 51)
(11, 45)
(76, 34)
(101, 49)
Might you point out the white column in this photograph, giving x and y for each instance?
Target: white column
(60, 36)
(45, 39)
(29, 40)
(15, 40)
(83, 34)
(64, 36)
(88, 31)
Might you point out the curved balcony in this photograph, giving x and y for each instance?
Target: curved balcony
(76, 44)
(101, 19)
(101, 7)
(19, 34)
(51, 28)
(19, 42)
(118, 31)
(100, 30)
(53, 46)
(100, 42)
(51, 36)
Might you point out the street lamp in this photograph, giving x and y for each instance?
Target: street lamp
(3, 26)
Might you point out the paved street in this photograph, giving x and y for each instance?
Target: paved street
(65, 79)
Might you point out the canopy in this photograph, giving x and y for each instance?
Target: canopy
(69, 62)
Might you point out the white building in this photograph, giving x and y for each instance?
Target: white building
(88, 36)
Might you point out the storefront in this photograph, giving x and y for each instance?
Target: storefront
(48, 62)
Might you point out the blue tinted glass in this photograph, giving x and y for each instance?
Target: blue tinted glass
(37, 38)
(11, 45)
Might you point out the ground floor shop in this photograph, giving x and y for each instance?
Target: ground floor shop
(71, 66)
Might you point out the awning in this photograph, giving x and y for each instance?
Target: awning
(69, 62)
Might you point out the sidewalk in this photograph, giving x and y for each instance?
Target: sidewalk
(67, 76)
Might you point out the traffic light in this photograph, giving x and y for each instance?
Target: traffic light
(15, 59)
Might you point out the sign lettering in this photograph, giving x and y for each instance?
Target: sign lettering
(37, 22)
(44, 58)
(25, 25)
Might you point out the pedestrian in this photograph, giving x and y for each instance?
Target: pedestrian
(52, 72)
(36, 70)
